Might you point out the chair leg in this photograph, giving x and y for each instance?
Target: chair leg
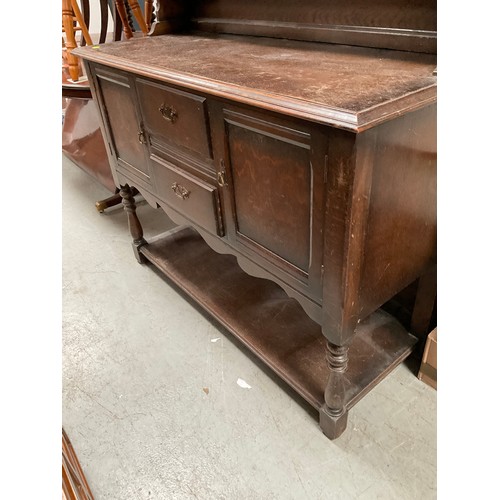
(81, 23)
(120, 7)
(148, 12)
(112, 201)
(136, 9)
(67, 17)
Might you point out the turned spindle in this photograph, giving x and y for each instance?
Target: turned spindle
(333, 414)
(134, 224)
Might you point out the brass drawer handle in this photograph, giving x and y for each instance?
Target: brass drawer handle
(180, 191)
(168, 112)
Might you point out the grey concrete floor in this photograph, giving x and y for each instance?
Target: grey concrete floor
(152, 403)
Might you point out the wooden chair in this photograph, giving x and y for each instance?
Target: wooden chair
(136, 10)
(74, 482)
(82, 137)
(76, 20)
(73, 21)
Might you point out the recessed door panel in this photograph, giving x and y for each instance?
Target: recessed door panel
(273, 170)
(271, 178)
(124, 127)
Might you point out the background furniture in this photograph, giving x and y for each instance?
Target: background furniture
(74, 482)
(290, 137)
(73, 21)
(121, 8)
(82, 139)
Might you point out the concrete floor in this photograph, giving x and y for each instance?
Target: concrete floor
(152, 404)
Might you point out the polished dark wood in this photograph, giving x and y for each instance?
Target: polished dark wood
(273, 326)
(274, 172)
(391, 229)
(424, 306)
(175, 117)
(188, 195)
(172, 16)
(134, 224)
(312, 165)
(314, 81)
(333, 414)
(125, 130)
(393, 24)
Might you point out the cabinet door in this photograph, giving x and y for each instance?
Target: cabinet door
(273, 172)
(125, 131)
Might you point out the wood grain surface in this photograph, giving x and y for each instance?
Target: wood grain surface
(350, 87)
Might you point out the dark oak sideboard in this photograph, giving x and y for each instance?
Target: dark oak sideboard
(302, 175)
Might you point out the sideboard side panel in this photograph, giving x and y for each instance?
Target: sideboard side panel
(400, 242)
(341, 169)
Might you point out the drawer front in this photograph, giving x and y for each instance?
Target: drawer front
(175, 117)
(191, 197)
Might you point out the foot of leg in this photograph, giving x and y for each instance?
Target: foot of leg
(331, 425)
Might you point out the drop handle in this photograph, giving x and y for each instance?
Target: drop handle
(168, 112)
(180, 191)
(142, 135)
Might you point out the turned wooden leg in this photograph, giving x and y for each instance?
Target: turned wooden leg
(333, 414)
(122, 12)
(112, 200)
(81, 22)
(148, 12)
(70, 42)
(134, 224)
(136, 9)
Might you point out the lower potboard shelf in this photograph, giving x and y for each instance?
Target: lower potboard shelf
(274, 326)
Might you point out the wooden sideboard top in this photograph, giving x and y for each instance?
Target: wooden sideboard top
(353, 88)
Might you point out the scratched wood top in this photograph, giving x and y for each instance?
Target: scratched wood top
(350, 87)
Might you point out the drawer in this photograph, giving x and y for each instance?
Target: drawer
(175, 117)
(193, 198)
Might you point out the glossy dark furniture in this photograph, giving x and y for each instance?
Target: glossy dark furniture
(294, 143)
